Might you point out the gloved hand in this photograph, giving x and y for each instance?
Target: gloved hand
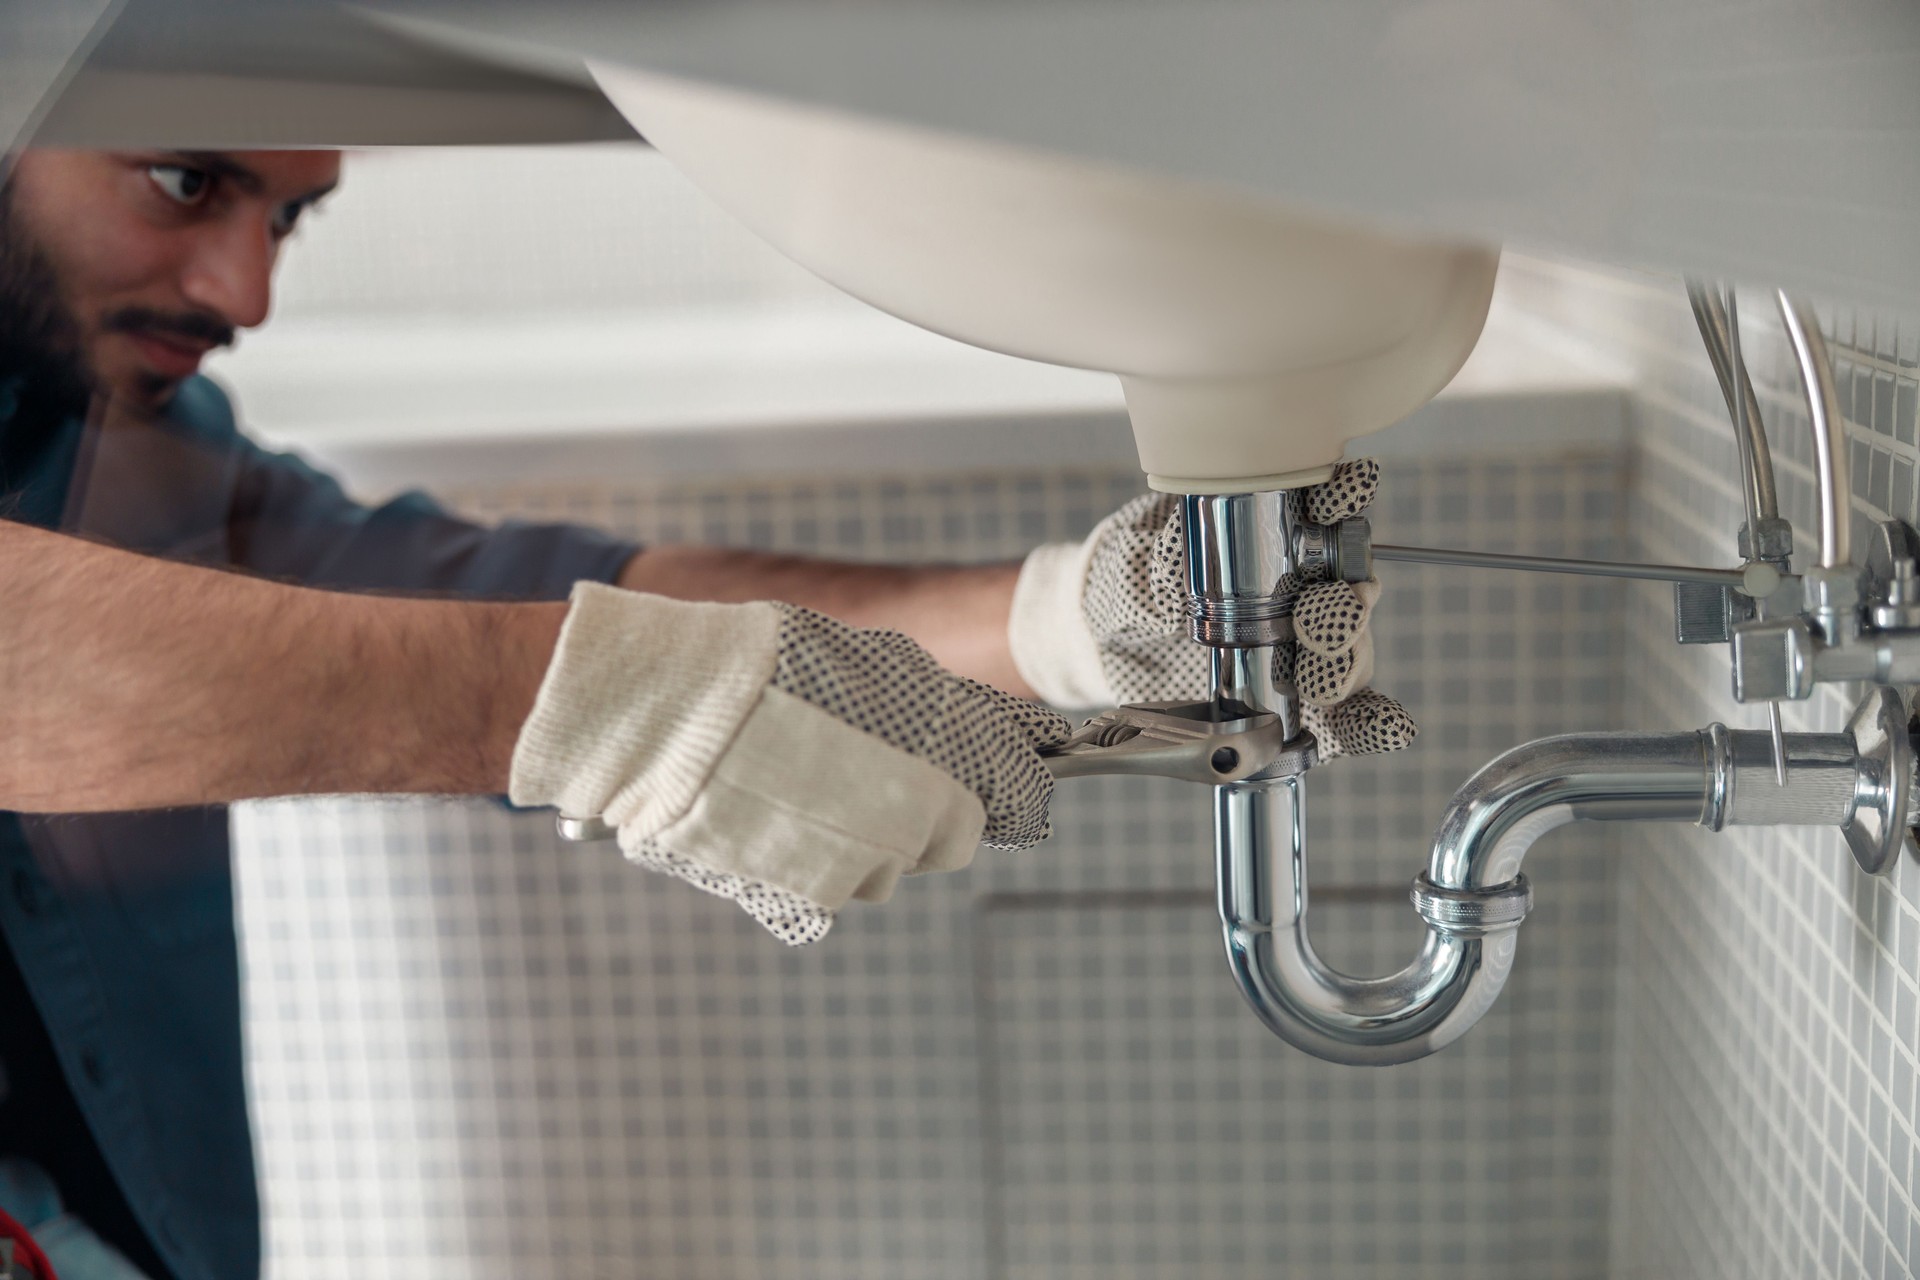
(1103, 621)
(771, 755)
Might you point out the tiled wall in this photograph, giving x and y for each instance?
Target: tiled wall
(479, 1053)
(1766, 1110)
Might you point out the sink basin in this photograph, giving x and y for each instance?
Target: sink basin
(1252, 340)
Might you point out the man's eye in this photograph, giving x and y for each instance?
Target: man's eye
(180, 182)
(287, 217)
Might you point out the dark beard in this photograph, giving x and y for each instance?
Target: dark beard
(39, 339)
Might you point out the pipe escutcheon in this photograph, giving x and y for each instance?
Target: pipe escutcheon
(1472, 913)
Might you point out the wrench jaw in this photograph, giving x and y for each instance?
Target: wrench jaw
(1192, 741)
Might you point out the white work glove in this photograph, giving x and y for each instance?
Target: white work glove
(771, 755)
(1103, 621)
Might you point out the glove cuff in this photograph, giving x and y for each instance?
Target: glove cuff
(1053, 647)
(641, 699)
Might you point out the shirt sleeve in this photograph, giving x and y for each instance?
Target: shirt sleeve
(190, 486)
(291, 520)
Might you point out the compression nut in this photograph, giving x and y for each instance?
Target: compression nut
(1472, 913)
(1352, 550)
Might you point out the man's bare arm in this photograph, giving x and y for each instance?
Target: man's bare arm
(129, 682)
(958, 613)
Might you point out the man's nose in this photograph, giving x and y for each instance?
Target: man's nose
(231, 271)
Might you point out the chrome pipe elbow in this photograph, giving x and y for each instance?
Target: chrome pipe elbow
(1262, 885)
(1472, 894)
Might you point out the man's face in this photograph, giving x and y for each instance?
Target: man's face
(155, 258)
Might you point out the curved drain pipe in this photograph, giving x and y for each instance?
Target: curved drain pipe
(1472, 894)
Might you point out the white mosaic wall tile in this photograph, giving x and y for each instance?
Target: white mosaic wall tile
(476, 1052)
(1766, 1112)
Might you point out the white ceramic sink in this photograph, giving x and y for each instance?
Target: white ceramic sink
(1252, 341)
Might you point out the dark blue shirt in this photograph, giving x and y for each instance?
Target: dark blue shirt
(120, 927)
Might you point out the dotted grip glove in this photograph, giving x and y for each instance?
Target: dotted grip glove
(773, 756)
(1104, 621)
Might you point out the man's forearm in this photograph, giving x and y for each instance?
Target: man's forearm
(131, 683)
(959, 613)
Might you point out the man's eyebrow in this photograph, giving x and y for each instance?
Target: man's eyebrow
(221, 165)
(316, 195)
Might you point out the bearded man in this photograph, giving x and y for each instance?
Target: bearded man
(187, 619)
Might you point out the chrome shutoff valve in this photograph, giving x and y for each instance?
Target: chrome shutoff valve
(1857, 623)
(1898, 608)
(1773, 660)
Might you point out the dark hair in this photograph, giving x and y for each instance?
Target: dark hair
(39, 339)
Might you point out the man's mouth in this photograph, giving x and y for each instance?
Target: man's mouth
(171, 344)
(171, 357)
